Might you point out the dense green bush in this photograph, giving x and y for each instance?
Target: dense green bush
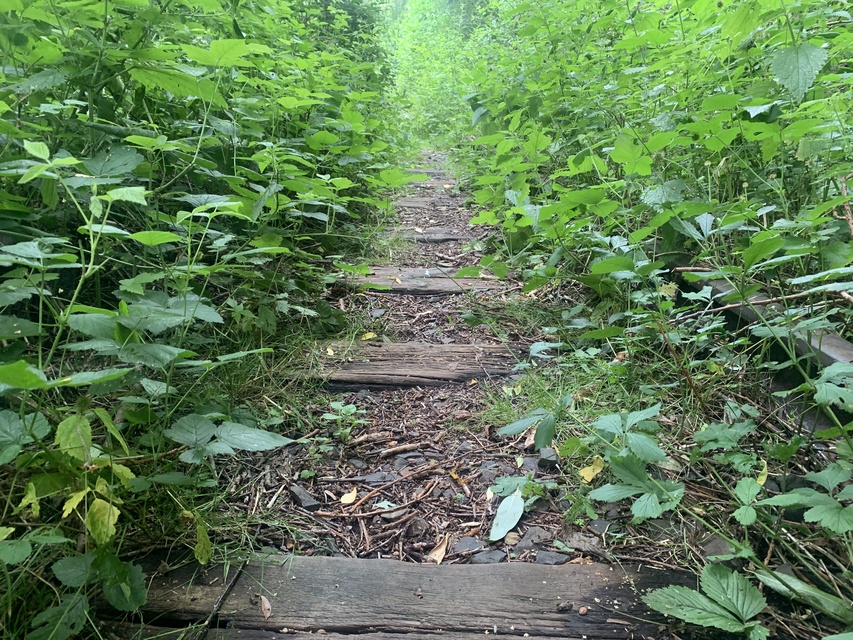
(176, 179)
(629, 146)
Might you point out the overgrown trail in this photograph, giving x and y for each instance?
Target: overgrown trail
(411, 482)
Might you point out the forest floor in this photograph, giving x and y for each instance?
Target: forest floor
(421, 459)
(409, 472)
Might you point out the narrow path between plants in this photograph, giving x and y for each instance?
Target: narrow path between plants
(405, 464)
(407, 472)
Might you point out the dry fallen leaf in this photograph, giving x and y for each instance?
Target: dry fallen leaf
(368, 336)
(440, 549)
(349, 498)
(330, 351)
(588, 473)
(266, 607)
(396, 279)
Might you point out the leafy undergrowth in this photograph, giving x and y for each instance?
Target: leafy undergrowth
(179, 182)
(669, 158)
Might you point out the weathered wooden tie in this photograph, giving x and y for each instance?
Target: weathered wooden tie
(430, 235)
(398, 365)
(424, 281)
(387, 599)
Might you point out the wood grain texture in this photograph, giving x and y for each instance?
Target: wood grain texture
(425, 281)
(381, 599)
(413, 364)
(431, 235)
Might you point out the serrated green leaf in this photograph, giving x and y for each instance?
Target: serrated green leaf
(123, 583)
(21, 375)
(745, 515)
(835, 517)
(747, 489)
(635, 417)
(14, 551)
(761, 250)
(832, 476)
(74, 437)
(178, 83)
(691, 606)
(135, 195)
(37, 149)
(627, 151)
(12, 328)
(192, 430)
(113, 162)
(74, 571)
(13, 436)
(612, 265)
(63, 621)
(647, 506)
(508, 514)
(796, 68)
(644, 447)
(632, 471)
(101, 519)
(733, 591)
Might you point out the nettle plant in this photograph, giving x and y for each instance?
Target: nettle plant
(708, 134)
(171, 178)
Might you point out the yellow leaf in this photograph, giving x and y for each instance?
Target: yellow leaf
(30, 500)
(396, 279)
(330, 351)
(101, 521)
(668, 290)
(102, 487)
(440, 549)
(73, 500)
(762, 475)
(588, 473)
(368, 336)
(349, 498)
(447, 186)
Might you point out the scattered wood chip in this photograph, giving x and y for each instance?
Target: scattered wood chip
(440, 549)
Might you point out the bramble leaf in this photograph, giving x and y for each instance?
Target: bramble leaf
(691, 606)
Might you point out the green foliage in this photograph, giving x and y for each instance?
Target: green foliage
(545, 421)
(730, 601)
(172, 179)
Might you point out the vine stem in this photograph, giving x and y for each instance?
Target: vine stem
(684, 372)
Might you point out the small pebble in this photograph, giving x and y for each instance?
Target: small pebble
(582, 611)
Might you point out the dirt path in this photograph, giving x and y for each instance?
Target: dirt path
(413, 480)
(422, 462)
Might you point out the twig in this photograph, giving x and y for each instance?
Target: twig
(848, 211)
